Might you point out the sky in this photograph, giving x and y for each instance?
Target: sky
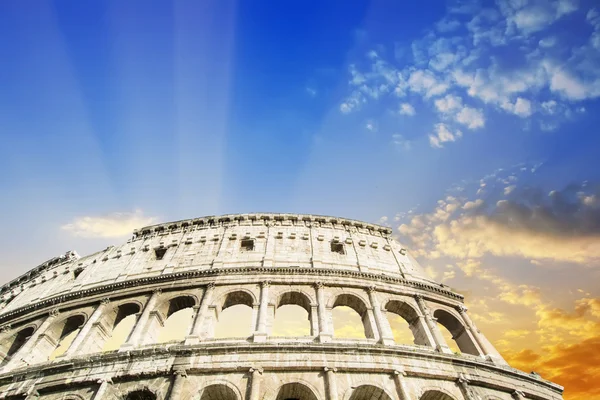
(469, 128)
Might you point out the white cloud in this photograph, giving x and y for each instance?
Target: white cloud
(448, 104)
(521, 107)
(426, 83)
(471, 118)
(371, 126)
(567, 85)
(447, 25)
(549, 107)
(407, 109)
(547, 42)
(352, 102)
(443, 134)
(112, 225)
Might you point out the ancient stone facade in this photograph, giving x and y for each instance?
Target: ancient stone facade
(263, 261)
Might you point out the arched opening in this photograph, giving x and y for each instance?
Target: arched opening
(234, 316)
(70, 329)
(179, 315)
(292, 315)
(435, 395)
(458, 333)
(369, 392)
(295, 391)
(344, 313)
(12, 344)
(143, 394)
(218, 392)
(122, 325)
(405, 323)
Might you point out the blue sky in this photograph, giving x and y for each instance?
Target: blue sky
(470, 128)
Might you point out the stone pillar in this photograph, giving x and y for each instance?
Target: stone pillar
(86, 332)
(324, 332)
(179, 377)
(314, 320)
(261, 333)
(488, 350)
(196, 331)
(518, 395)
(103, 389)
(26, 351)
(385, 332)
(463, 384)
(140, 327)
(255, 383)
(440, 343)
(400, 387)
(332, 391)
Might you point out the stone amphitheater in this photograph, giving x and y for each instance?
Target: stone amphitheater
(262, 261)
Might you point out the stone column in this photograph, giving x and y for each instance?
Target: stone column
(261, 333)
(324, 332)
(518, 395)
(196, 331)
(179, 377)
(84, 333)
(440, 343)
(385, 332)
(26, 351)
(400, 388)
(140, 326)
(255, 383)
(314, 320)
(103, 389)
(332, 391)
(463, 384)
(488, 350)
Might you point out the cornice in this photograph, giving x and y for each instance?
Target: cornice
(178, 352)
(221, 220)
(184, 275)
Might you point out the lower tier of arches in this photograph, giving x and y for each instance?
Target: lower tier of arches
(269, 372)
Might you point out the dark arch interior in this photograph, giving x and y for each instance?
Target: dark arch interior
(435, 395)
(294, 298)
(351, 301)
(19, 340)
(235, 298)
(369, 392)
(218, 392)
(180, 303)
(295, 391)
(458, 331)
(126, 310)
(71, 325)
(141, 395)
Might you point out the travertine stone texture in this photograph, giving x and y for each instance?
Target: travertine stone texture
(263, 261)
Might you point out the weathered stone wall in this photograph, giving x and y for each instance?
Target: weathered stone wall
(263, 261)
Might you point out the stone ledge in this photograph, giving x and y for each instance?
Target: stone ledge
(173, 354)
(177, 276)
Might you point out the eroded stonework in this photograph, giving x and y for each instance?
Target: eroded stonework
(263, 261)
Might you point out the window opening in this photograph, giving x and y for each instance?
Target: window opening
(77, 272)
(247, 244)
(160, 252)
(337, 247)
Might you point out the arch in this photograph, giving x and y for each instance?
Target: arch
(143, 394)
(63, 333)
(436, 394)
(233, 315)
(219, 391)
(360, 306)
(368, 392)
(460, 335)
(296, 391)
(120, 321)
(294, 301)
(176, 315)
(411, 316)
(236, 297)
(14, 343)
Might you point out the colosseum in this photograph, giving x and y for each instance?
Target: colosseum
(261, 261)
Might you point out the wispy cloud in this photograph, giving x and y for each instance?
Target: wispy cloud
(111, 225)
